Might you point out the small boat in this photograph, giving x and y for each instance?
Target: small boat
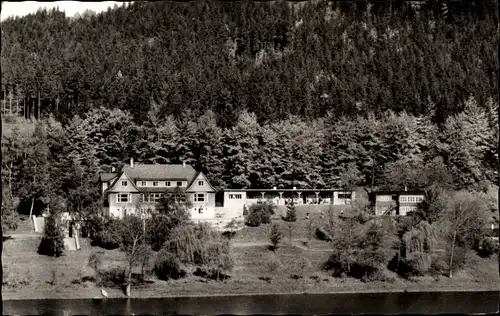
(104, 293)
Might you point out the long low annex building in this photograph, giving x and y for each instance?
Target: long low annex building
(236, 198)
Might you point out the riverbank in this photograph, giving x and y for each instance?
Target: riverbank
(31, 276)
(235, 288)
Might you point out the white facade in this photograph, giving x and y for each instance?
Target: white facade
(343, 198)
(235, 199)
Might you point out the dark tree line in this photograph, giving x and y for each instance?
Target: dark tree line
(46, 160)
(274, 59)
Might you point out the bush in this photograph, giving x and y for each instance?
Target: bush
(99, 230)
(416, 264)
(106, 240)
(254, 219)
(168, 266)
(291, 213)
(322, 235)
(265, 217)
(439, 265)
(273, 264)
(487, 247)
(260, 214)
(112, 277)
(95, 261)
(52, 243)
(380, 274)
(275, 236)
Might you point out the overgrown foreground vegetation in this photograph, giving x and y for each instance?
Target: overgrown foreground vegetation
(348, 251)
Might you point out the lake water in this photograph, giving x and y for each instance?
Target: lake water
(308, 304)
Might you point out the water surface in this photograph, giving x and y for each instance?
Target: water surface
(307, 304)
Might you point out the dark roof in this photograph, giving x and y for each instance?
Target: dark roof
(160, 172)
(283, 190)
(105, 176)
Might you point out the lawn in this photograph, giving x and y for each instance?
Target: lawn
(294, 268)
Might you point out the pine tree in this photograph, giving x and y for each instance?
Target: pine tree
(291, 214)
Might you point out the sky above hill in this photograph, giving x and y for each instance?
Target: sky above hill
(70, 7)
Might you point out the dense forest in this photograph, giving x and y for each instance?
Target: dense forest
(274, 59)
(254, 94)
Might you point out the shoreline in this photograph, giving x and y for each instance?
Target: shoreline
(145, 293)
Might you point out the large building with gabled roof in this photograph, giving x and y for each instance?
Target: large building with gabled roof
(136, 189)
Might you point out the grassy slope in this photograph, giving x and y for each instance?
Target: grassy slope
(251, 263)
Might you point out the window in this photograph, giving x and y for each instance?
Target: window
(403, 199)
(167, 183)
(345, 195)
(384, 198)
(179, 183)
(155, 183)
(124, 183)
(144, 183)
(122, 198)
(201, 183)
(156, 197)
(145, 198)
(235, 196)
(180, 198)
(199, 197)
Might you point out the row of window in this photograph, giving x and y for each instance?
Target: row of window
(388, 198)
(345, 195)
(157, 183)
(235, 196)
(413, 199)
(384, 198)
(403, 210)
(155, 197)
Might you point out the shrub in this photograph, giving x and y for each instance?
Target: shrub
(273, 264)
(291, 213)
(106, 240)
(275, 236)
(99, 229)
(265, 217)
(416, 264)
(168, 266)
(322, 235)
(112, 277)
(254, 219)
(260, 214)
(487, 247)
(439, 265)
(380, 274)
(52, 243)
(95, 261)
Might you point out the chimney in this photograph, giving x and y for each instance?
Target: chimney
(406, 188)
(295, 188)
(113, 169)
(131, 162)
(183, 164)
(275, 188)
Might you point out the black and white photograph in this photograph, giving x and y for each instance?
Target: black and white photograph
(213, 157)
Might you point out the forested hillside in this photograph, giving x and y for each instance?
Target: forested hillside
(272, 58)
(254, 94)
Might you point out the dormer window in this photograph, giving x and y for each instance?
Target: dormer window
(155, 183)
(167, 183)
(143, 183)
(179, 183)
(201, 183)
(124, 183)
